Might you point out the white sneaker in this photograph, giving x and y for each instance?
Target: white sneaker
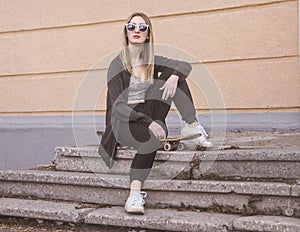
(196, 128)
(135, 203)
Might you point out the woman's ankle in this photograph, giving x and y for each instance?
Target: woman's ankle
(135, 187)
(192, 124)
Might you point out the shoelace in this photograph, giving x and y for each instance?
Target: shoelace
(203, 131)
(138, 197)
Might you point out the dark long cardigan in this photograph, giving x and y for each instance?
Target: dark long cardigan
(117, 110)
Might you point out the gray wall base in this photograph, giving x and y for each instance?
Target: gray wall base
(30, 140)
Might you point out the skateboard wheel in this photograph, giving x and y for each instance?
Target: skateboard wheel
(167, 147)
(289, 212)
(181, 146)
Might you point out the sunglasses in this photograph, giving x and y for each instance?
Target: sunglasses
(131, 27)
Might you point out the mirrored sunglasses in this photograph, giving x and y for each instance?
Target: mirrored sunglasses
(131, 27)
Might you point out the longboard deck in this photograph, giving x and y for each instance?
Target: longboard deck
(167, 144)
(188, 137)
(100, 133)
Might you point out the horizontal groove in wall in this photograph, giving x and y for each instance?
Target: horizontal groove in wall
(76, 72)
(251, 59)
(202, 12)
(101, 112)
(225, 10)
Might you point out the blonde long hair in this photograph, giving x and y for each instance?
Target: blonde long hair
(147, 54)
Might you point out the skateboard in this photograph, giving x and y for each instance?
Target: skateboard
(119, 147)
(167, 144)
(177, 143)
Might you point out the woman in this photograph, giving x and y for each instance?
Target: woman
(138, 101)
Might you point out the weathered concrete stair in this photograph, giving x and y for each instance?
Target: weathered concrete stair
(158, 219)
(270, 198)
(227, 190)
(247, 164)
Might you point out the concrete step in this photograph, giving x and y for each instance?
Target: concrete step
(40, 209)
(266, 223)
(155, 219)
(270, 198)
(234, 164)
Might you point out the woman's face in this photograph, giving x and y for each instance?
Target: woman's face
(137, 36)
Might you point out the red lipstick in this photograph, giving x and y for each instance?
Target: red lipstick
(136, 36)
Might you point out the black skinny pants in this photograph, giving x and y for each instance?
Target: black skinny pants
(138, 135)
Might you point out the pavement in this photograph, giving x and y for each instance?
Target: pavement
(258, 140)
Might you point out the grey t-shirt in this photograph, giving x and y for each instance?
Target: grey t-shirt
(137, 90)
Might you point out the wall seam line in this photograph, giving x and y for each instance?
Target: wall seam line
(152, 17)
(49, 113)
(193, 63)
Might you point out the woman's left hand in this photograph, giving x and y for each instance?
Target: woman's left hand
(170, 87)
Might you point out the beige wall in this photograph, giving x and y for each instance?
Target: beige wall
(250, 47)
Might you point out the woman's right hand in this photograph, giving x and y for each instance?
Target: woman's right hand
(157, 130)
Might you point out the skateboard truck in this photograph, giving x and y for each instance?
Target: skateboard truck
(174, 143)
